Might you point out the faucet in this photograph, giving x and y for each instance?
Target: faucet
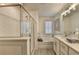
(67, 34)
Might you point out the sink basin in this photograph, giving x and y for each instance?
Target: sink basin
(73, 40)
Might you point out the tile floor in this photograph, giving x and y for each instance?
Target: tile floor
(43, 51)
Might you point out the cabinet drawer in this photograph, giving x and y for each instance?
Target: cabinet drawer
(73, 52)
(63, 47)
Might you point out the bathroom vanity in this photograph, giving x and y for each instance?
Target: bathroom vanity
(63, 47)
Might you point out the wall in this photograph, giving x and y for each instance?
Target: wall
(67, 24)
(9, 21)
(75, 19)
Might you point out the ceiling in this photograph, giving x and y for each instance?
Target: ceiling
(45, 9)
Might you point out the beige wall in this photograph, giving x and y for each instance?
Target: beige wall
(67, 24)
(9, 21)
(75, 19)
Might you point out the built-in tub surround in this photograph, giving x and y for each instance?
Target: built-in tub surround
(15, 46)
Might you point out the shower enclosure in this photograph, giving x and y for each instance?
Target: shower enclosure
(16, 22)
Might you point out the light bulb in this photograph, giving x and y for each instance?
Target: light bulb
(68, 12)
(65, 14)
(74, 8)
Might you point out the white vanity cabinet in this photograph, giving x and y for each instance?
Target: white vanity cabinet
(72, 52)
(63, 49)
(56, 46)
(60, 48)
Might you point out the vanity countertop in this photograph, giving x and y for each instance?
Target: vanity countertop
(74, 46)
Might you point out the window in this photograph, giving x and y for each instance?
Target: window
(48, 27)
(25, 27)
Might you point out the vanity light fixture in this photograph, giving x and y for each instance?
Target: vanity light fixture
(72, 7)
(68, 11)
(65, 14)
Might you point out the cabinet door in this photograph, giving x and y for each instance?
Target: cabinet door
(63, 49)
(56, 46)
(72, 52)
(58, 43)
